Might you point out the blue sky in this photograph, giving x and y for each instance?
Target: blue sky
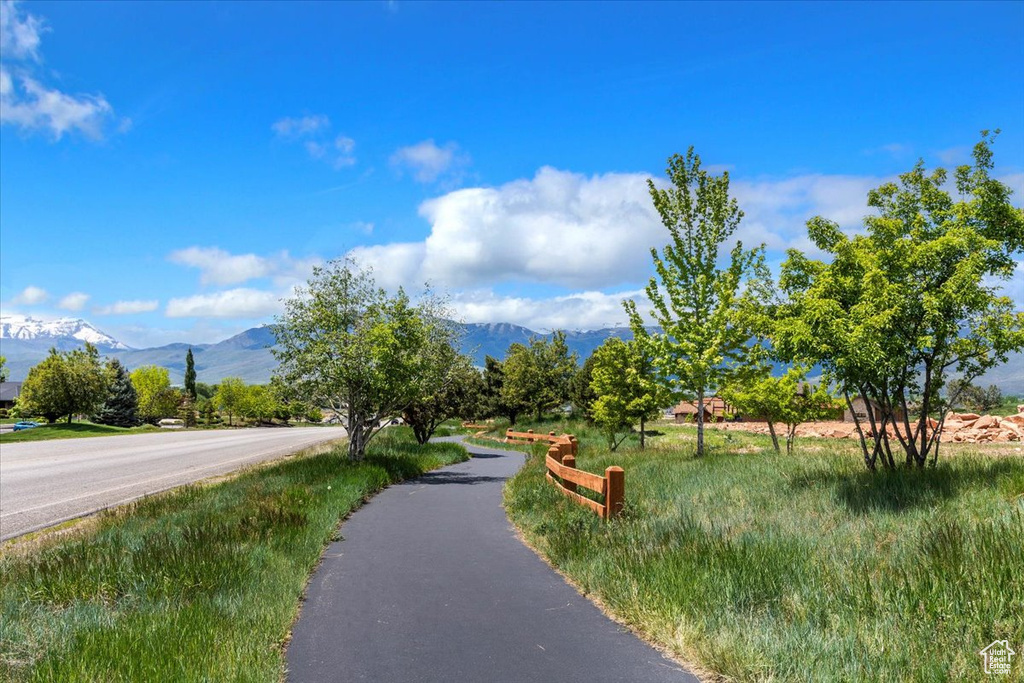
(170, 171)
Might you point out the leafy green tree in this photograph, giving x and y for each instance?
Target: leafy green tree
(64, 384)
(190, 376)
(345, 343)
(897, 309)
(157, 399)
(497, 401)
(230, 397)
(452, 399)
(696, 303)
(3, 369)
(258, 403)
(627, 388)
(538, 375)
(789, 399)
(121, 407)
(581, 393)
(187, 410)
(964, 394)
(204, 390)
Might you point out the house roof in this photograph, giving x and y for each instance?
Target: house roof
(690, 407)
(9, 390)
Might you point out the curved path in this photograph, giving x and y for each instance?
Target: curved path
(430, 583)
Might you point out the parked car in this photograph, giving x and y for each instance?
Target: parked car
(25, 424)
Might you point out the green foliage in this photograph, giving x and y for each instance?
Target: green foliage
(3, 368)
(258, 403)
(157, 400)
(627, 389)
(190, 376)
(121, 407)
(345, 343)
(457, 397)
(204, 390)
(788, 399)
(64, 384)
(230, 397)
(581, 393)
(696, 303)
(536, 377)
(898, 309)
(963, 394)
(499, 403)
(187, 410)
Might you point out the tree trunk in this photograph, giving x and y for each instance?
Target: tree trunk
(69, 418)
(642, 423)
(790, 436)
(700, 424)
(775, 438)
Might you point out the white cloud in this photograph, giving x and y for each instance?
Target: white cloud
(219, 267)
(233, 303)
(302, 126)
(74, 302)
(30, 296)
(579, 311)
(128, 307)
(314, 132)
(427, 161)
(28, 103)
(19, 36)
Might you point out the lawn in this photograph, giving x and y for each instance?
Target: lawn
(75, 430)
(200, 584)
(763, 567)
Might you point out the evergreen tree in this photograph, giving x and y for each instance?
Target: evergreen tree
(121, 409)
(190, 376)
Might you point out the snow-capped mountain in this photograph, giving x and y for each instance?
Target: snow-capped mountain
(25, 328)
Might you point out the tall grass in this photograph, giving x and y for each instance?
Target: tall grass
(201, 584)
(796, 568)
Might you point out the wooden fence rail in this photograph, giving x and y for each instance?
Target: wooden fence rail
(562, 472)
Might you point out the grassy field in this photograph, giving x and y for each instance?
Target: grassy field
(201, 584)
(62, 430)
(762, 567)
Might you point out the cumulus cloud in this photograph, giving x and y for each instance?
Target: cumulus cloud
(73, 302)
(580, 311)
(30, 296)
(128, 307)
(233, 303)
(314, 132)
(27, 102)
(427, 161)
(219, 267)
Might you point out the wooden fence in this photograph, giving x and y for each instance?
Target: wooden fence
(562, 472)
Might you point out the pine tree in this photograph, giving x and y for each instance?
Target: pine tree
(121, 409)
(190, 376)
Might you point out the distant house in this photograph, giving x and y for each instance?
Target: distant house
(714, 410)
(860, 409)
(9, 392)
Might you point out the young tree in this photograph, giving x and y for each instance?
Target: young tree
(538, 375)
(190, 375)
(627, 388)
(3, 369)
(695, 302)
(157, 399)
(257, 403)
(121, 407)
(789, 399)
(900, 307)
(424, 414)
(230, 397)
(581, 393)
(64, 384)
(345, 343)
(497, 401)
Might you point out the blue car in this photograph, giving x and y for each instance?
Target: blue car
(18, 426)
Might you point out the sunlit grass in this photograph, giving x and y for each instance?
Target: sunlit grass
(201, 584)
(63, 430)
(804, 567)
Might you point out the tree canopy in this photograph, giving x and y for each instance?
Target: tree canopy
(627, 389)
(64, 384)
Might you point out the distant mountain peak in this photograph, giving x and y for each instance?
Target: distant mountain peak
(26, 327)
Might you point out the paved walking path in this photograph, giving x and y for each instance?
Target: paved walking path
(430, 583)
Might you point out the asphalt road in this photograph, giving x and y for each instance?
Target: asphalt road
(43, 483)
(430, 583)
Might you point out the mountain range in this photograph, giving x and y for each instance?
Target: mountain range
(26, 341)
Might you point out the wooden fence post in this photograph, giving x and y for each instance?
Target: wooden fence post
(530, 439)
(551, 433)
(568, 461)
(575, 444)
(615, 495)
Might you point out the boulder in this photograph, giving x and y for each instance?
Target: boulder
(986, 421)
(966, 417)
(1014, 419)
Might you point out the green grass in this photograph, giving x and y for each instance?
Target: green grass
(762, 567)
(75, 430)
(201, 584)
